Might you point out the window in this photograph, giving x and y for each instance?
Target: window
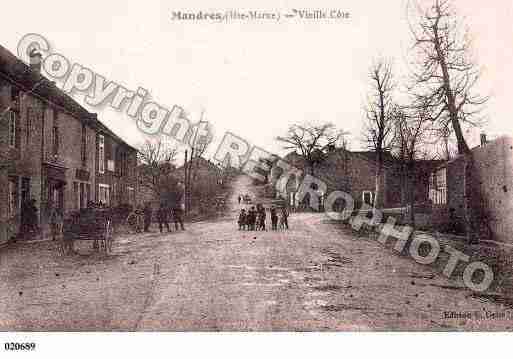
(438, 187)
(104, 194)
(88, 193)
(25, 189)
(76, 195)
(30, 113)
(84, 145)
(114, 193)
(55, 133)
(122, 164)
(13, 129)
(15, 98)
(131, 195)
(56, 195)
(111, 166)
(13, 196)
(81, 190)
(83, 196)
(101, 154)
(368, 197)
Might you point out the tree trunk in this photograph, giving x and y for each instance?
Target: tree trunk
(412, 195)
(379, 196)
(463, 148)
(471, 202)
(186, 186)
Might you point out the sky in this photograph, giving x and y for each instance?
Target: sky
(255, 78)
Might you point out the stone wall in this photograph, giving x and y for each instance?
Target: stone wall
(491, 191)
(493, 165)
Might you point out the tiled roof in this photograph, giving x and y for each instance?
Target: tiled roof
(17, 72)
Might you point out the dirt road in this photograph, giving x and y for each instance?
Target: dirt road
(316, 276)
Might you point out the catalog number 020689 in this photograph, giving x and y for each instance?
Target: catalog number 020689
(19, 346)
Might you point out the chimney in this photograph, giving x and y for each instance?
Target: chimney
(35, 60)
(483, 139)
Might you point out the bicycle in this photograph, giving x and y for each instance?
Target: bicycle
(135, 221)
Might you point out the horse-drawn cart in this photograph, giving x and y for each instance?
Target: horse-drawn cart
(91, 224)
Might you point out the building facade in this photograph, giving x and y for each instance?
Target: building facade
(351, 172)
(492, 184)
(50, 152)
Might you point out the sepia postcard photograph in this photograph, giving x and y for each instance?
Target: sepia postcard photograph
(255, 174)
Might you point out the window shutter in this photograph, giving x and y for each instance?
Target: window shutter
(17, 131)
(28, 123)
(108, 148)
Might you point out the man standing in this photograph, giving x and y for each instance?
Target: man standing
(285, 216)
(32, 221)
(274, 218)
(242, 219)
(163, 218)
(178, 216)
(147, 216)
(252, 218)
(261, 218)
(56, 222)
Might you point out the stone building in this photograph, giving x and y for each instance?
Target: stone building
(354, 172)
(492, 186)
(50, 150)
(115, 168)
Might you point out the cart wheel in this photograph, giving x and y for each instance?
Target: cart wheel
(65, 245)
(62, 246)
(108, 238)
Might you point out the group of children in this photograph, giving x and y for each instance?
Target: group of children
(254, 219)
(141, 218)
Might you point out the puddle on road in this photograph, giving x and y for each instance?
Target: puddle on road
(341, 307)
(452, 287)
(494, 298)
(254, 284)
(335, 259)
(252, 268)
(422, 276)
(315, 303)
(330, 288)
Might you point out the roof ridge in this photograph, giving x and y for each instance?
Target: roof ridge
(29, 79)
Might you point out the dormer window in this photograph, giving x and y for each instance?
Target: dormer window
(101, 154)
(13, 129)
(368, 197)
(55, 133)
(83, 145)
(15, 98)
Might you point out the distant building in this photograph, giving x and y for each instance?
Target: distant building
(355, 174)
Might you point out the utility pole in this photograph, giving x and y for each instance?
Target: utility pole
(194, 153)
(186, 185)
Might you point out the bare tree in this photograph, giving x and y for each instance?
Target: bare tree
(311, 141)
(412, 132)
(445, 76)
(199, 144)
(157, 166)
(378, 130)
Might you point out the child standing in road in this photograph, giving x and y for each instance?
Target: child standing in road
(261, 218)
(274, 219)
(251, 219)
(242, 219)
(163, 217)
(284, 218)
